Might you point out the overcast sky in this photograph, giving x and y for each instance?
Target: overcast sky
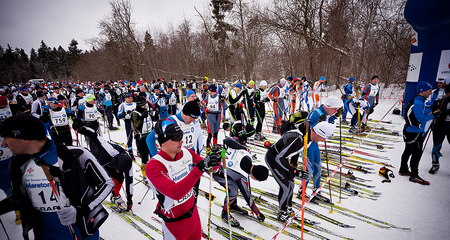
(24, 23)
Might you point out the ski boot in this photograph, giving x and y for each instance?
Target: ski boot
(112, 128)
(384, 172)
(117, 200)
(275, 131)
(283, 216)
(236, 209)
(354, 130)
(365, 128)
(344, 121)
(234, 222)
(319, 197)
(419, 180)
(434, 168)
(299, 194)
(261, 217)
(290, 211)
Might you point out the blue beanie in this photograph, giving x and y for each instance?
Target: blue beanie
(322, 78)
(239, 86)
(212, 88)
(423, 86)
(351, 79)
(189, 93)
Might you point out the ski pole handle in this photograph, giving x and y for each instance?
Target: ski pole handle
(49, 177)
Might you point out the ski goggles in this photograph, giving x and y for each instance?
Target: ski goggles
(176, 138)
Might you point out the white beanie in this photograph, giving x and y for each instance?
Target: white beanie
(282, 80)
(332, 102)
(263, 83)
(324, 129)
(445, 80)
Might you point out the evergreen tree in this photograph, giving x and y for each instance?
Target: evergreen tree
(35, 65)
(44, 55)
(73, 54)
(220, 7)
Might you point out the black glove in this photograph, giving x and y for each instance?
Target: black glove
(87, 131)
(339, 112)
(274, 100)
(145, 114)
(357, 104)
(301, 174)
(267, 100)
(129, 112)
(323, 117)
(261, 217)
(77, 123)
(437, 113)
(129, 202)
(209, 161)
(212, 159)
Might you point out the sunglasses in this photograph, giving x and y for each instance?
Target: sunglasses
(176, 138)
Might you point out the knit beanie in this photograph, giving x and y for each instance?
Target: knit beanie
(191, 109)
(23, 126)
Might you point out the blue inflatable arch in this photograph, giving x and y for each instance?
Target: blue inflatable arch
(430, 43)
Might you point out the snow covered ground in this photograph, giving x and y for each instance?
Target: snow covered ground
(424, 209)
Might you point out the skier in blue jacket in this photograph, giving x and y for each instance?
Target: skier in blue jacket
(348, 91)
(415, 119)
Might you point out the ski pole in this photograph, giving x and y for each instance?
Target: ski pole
(305, 159)
(144, 196)
(78, 143)
(340, 158)
(49, 177)
(4, 229)
(328, 173)
(224, 165)
(104, 121)
(210, 200)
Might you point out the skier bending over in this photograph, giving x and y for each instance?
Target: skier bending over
(116, 162)
(239, 165)
(282, 156)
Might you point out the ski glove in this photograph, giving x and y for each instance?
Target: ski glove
(339, 112)
(301, 174)
(437, 113)
(129, 112)
(209, 161)
(67, 215)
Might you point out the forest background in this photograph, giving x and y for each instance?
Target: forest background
(233, 40)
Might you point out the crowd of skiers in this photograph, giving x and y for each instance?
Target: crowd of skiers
(166, 121)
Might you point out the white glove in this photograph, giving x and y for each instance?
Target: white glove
(67, 215)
